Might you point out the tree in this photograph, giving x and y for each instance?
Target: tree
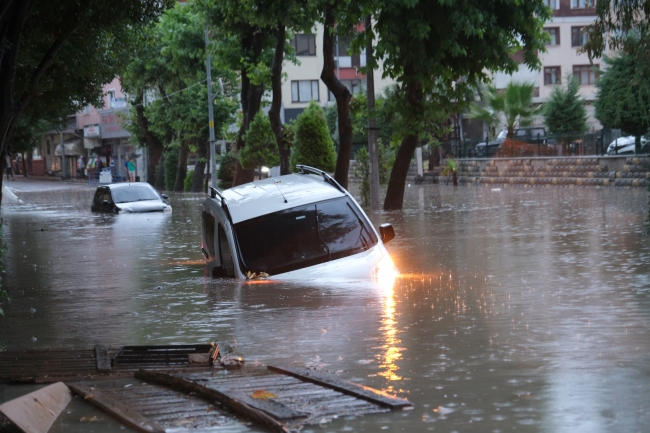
(623, 98)
(312, 144)
(437, 50)
(513, 106)
(43, 43)
(564, 112)
(261, 147)
(170, 63)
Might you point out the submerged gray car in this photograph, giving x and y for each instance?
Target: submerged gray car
(129, 197)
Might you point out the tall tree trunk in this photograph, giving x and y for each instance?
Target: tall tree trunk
(181, 168)
(276, 103)
(154, 145)
(372, 123)
(199, 167)
(252, 93)
(342, 95)
(395, 192)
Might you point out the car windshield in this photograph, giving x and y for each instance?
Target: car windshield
(132, 193)
(302, 236)
(502, 135)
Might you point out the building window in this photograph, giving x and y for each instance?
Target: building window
(585, 74)
(304, 45)
(554, 33)
(578, 36)
(553, 4)
(552, 75)
(87, 109)
(304, 91)
(582, 4)
(354, 86)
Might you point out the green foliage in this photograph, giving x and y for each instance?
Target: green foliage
(261, 147)
(66, 51)
(386, 156)
(226, 172)
(564, 112)
(623, 99)
(450, 168)
(28, 132)
(362, 172)
(170, 163)
(312, 143)
(187, 183)
(513, 106)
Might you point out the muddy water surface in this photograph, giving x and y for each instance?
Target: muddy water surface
(517, 309)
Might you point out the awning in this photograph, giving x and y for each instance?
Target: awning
(72, 148)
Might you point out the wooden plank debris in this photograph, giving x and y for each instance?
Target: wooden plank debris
(169, 354)
(37, 411)
(102, 359)
(210, 393)
(360, 391)
(120, 411)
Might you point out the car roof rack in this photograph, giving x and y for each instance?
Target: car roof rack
(305, 169)
(214, 192)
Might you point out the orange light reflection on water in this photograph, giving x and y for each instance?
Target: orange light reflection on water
(391, 352)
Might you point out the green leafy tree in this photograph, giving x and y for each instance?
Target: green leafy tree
(312, 144)
(362, 172)
(170, 164)
(261, 148)
(564, 112)
(623, 98)
(451, 169)
(55, 56)
(226, 172)
(513, 106)
(170, 64)
(439, 50)
(189, 179)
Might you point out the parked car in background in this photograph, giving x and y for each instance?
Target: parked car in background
(534, 135)
(297, 226)
(129, 197)
(626, 146)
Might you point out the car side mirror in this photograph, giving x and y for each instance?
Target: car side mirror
(165, 196)
(386, 231)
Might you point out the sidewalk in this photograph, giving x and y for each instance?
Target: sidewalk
(43, 183)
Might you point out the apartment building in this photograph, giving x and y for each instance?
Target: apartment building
(303, 82)
(567, 35)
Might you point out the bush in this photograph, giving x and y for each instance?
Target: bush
(187, 183)
(171, 164)
(312, 143)
(261, 147)
(362, 172)
(226, 172)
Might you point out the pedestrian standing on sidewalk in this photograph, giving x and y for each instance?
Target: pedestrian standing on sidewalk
(8, 167)
(81, 165)
(131, 170)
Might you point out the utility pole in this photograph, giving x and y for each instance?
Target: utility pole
(372, 123)
(213, 155)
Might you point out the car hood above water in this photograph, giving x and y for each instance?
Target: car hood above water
(144, 206)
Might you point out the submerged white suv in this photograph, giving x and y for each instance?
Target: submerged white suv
(302, 225)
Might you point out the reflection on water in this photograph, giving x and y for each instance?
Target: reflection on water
(516, 310)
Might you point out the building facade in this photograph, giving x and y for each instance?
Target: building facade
(94, 132)
(562, 56)
(303, 83)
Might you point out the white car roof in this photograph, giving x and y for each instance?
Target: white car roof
(268, 195)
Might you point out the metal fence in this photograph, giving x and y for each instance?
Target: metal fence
(602, 142)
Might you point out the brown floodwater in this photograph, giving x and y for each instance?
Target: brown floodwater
(517, 309)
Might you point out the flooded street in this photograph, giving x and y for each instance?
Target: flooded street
(517, 309)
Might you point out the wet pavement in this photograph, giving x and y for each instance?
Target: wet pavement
(518, 309)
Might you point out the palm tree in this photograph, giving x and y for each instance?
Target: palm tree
(514, 105)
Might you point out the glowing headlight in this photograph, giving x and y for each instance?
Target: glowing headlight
(385, 270)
